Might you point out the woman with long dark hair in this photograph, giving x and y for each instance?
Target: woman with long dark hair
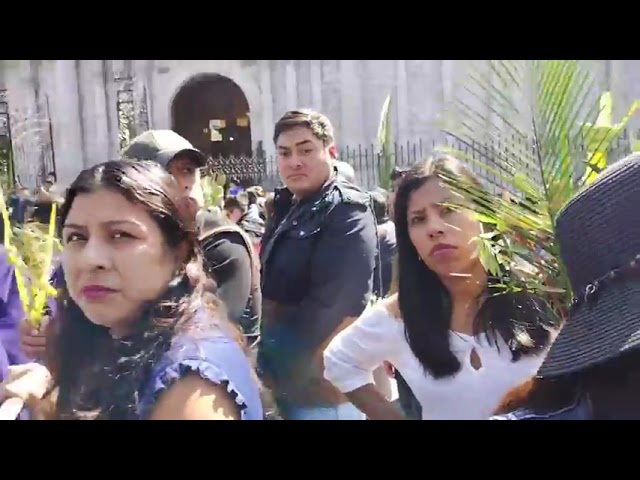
(459, 345)
(137, 335)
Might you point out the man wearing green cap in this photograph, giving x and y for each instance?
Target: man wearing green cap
(225, 254)
(177, 155)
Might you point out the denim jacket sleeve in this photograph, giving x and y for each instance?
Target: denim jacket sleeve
(340, 273)
(579, 410)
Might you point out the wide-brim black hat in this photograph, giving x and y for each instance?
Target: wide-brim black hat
(162, 146)
(599, 236)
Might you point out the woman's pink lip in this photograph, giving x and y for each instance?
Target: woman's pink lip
(96, 292)
(442, 250)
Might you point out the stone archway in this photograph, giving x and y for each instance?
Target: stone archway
(212, 112)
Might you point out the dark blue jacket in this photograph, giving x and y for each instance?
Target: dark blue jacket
(318, 258)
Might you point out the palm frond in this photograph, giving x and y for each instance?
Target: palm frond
(31, 249)
(385, 143)
(543, 130)
(213, 190)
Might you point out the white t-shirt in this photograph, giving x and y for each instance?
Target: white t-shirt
(470, 394)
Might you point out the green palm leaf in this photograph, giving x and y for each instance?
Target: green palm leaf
(535, 126)
(213, 190)
(385, 144)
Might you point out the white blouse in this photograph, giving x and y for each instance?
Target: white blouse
(470, 394)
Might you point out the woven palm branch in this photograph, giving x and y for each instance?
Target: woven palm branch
(543, 130)
(31, 249)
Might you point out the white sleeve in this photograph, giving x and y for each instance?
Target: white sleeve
(353, 354)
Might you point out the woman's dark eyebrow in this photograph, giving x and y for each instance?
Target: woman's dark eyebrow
(74, 226)
(449, 200)
(111, 223)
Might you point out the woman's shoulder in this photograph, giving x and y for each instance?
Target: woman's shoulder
(214, 357)
(391, 307)
(381, 315)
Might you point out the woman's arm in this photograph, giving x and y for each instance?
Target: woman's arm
(13, 312)
(354, 354)
(193, 398)
(27, 385)
(373, 404)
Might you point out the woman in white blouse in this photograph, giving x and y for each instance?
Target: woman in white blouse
(459, 346)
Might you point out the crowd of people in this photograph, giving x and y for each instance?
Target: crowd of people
(308, 302)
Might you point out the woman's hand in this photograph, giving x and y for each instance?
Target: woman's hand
(34, 341)
(27, 383)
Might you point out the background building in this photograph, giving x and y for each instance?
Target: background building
(65, 115)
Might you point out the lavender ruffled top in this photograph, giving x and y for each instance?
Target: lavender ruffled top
(11, 313)
(217, 359)
(214, 357)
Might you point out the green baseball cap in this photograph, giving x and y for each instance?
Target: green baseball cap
(162, 146)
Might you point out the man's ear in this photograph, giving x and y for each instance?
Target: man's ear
(333, 151)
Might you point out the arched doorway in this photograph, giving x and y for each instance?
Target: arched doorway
(212, 112)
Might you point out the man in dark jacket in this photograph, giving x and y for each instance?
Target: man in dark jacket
(318, 257)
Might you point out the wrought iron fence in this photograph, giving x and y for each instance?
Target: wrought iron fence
(369, 164)
(7, 171)
(131, 106)
(30, 142)
(247, 170)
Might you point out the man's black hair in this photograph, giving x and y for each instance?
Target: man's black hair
(379, 201)
(397, 172)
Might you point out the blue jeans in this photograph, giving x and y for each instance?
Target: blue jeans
(344, 411)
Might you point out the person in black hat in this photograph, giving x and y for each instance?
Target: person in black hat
(592, 371)
(177, 155)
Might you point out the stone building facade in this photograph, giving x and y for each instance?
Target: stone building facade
(73, 105)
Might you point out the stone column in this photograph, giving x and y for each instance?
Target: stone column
(95, 117)
(351, 103)
(278, 88)
(141, 95)
(316, 84)
(447, 73)
(113, 68)
(65, 112)
(331, 96)
(144, 72)
(303, 75)
(379, 82)
(266, 104)
(291, 84)
(26, 125)
(401, 106)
